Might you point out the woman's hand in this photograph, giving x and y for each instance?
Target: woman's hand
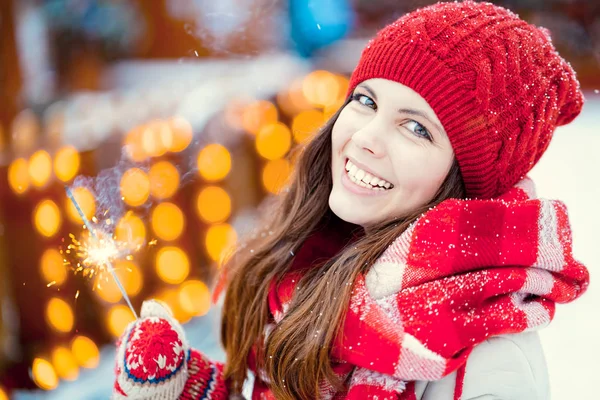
(152, 356)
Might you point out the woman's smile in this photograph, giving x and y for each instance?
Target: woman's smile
(359, 181)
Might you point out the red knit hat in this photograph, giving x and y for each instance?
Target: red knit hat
(496, 83)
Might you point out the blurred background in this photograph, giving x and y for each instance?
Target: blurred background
(172, 121)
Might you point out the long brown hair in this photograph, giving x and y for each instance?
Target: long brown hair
(294, 364)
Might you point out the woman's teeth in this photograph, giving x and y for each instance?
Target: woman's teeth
(364, 179)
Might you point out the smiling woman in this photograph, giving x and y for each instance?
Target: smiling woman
(373, 142)
(408, 257)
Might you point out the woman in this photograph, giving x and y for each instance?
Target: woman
(409, 258)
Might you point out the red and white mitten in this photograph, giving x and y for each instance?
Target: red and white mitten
(152, 356)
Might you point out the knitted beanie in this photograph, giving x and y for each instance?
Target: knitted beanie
(496, 83)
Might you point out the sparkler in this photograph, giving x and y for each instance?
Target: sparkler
(101, 251)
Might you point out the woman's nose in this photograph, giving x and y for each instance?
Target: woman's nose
(368, 139)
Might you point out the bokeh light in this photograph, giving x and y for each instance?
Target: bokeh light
(273, 141)
(214, 162)
(182, 133)
(194, 297)
(59, 315)
(343, 85)
(275, 174)
(306, 124)
(321, 88)
(3, 394)
(52, 267)
(40, 168)
(118, 317)
(85, 351)
(172, 265)
(18, 175)
(66, 163)
(219, 239)
(47, 218)
(133, 144)
(258, 114)
(170, 296)
(108, 290)
(43, 374)
(86, 201)
(131, 230)
(164, 180)
(167, 221)
(157, 138)
(292, 101)
(135, 187)
(129, 275)
(213, 204)
(65, 363)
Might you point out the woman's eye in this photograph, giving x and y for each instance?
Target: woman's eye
(364, 100)
(419, 130)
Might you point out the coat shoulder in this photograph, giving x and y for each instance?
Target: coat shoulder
(503, 367)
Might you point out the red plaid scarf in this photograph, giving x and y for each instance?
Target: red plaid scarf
(464, 271)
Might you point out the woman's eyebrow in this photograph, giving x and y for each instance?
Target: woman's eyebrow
(368, 89)
(410, 111)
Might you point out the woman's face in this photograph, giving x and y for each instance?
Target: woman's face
(390, 154)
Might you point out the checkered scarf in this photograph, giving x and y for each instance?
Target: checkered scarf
(464, 271)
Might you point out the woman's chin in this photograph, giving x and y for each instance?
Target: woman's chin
(351, 213)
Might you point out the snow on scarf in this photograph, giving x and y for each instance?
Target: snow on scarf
(464, 271)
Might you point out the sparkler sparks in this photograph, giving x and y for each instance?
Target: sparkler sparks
(97, 251)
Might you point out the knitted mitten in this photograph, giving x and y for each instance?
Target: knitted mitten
(152, 356)
(154, 361)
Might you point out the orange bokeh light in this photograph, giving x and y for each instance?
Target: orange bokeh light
(129, 275)
(214, 162)
(52, 267)
(164, 180)
(292, 101)
(219, 239)
(66, 163)
(85, 200)
(118, 317)
(18, 175)
(59, 315)
(171, 297)
(135, 187)
(258, 114)
(40, 168)
(275, 174)
(43, 374)
(172, 265)
(213, 204)
(194, 297)
(85, 351)
(65, 363)
(157, 138)
(133, 144)
(321, 88)
(273, 141)
(182, 134)
(131, 229)
(47, 218)
(168, 221)
(306, 124)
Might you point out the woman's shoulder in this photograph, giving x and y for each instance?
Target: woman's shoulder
(503, 367)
